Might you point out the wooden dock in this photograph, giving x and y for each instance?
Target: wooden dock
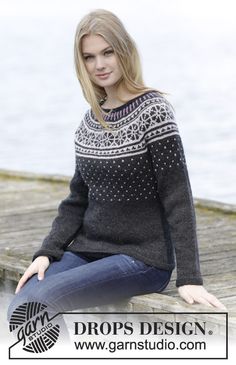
(29, 204)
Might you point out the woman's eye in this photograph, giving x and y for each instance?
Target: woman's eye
(109, 52)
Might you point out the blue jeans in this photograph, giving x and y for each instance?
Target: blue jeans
(76, 282)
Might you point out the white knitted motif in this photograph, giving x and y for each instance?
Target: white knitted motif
(124, 164)
(151, 120)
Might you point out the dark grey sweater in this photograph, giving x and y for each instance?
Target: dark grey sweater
(130, 192)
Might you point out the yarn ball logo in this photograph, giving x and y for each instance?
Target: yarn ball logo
(31, 325)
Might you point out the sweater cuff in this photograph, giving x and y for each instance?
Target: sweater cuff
(47, 253)
(189, 281)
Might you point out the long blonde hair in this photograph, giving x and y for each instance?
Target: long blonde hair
(108, 25)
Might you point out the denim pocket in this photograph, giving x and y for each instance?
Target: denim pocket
(134, 264)
(145, 278)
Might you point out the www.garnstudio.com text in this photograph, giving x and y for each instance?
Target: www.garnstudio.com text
(141, 328)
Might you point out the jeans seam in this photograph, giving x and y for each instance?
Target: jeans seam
(136, 262)
(104, 281)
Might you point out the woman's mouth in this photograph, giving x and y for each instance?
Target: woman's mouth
(104, 76)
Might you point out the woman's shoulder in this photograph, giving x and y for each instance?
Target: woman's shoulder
(159, 97)
(85, 116)
(157, 101)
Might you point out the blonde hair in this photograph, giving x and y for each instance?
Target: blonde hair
(108, 25)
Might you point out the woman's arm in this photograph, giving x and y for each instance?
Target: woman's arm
(68, 221)
(169, 164)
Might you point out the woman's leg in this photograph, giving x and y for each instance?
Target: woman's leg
(69, 260)
(99, 282)
(74, 283)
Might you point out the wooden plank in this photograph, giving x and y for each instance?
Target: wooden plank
(219, 266)
(215, 205)
(229, 302)
(220, 293)
(40, 207)
(29, 205)
(219, 247)
(24, 223)
(26, 234)
(210, 256)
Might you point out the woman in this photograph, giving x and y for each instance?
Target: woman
(130, 214)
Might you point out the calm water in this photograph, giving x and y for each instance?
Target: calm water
(41, 102)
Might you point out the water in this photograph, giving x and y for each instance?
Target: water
(41, 102)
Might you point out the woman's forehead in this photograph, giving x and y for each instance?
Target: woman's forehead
(93, 43)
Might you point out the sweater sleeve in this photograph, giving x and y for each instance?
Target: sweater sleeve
(169, 164)
(68, 220)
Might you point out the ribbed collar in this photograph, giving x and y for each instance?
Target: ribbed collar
(125, 109)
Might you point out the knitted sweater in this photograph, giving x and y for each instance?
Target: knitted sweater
(130, 192)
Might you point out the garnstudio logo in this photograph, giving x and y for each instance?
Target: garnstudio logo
(31, 324)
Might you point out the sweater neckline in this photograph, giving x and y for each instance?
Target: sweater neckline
(129, 106)
(127, 103)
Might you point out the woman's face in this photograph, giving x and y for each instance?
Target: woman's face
(99, 58)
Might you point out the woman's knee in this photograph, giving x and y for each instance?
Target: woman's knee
(25, 295)
(18, 300)
(14, 304)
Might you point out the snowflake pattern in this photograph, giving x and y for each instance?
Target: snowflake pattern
(144, 121)
(125, 164)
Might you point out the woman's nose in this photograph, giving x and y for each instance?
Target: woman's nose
(99, 63)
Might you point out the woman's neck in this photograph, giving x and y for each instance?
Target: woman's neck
(112, 102)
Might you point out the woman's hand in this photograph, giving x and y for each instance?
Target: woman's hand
(198, 294)
(39, 265)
